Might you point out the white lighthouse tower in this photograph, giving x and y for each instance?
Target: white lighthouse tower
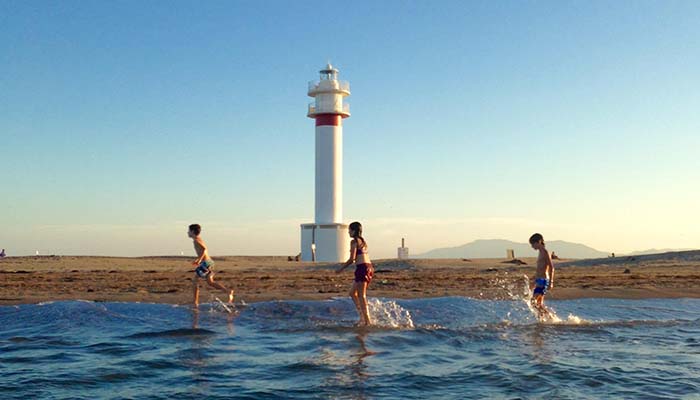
(327, 238)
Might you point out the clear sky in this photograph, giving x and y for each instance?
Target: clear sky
(123, 121)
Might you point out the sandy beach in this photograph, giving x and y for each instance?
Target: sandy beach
(168, 279)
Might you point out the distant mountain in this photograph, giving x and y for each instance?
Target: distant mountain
(655, 251)
(496, 248)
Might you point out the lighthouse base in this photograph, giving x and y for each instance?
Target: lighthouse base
(325, 242)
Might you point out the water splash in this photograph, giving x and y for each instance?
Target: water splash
(389, 314)
(517, 288)
(510, 287)
(571, 319)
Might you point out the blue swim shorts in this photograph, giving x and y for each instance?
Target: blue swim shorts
(204, 268)
(541, 286)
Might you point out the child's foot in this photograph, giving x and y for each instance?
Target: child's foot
(230, 297)
(362, 323)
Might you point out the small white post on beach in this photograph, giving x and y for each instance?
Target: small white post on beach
(328, 233)
(510, 254)
(403, 250)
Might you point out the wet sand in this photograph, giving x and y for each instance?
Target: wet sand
(169, 279)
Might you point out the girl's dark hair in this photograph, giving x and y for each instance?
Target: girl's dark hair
(536, 238)
(196, 229)
(356, 229)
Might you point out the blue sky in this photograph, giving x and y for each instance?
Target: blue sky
(122, 122)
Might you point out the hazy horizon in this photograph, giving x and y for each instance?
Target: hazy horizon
(217, 244)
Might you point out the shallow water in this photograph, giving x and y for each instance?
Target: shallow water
(426, 348)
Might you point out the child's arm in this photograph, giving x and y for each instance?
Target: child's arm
(353, 256)
(550, 267)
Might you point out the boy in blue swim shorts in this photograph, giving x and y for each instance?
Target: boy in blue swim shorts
(544, 276)
(204, 265)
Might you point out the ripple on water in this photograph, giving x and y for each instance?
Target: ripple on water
(173, 333)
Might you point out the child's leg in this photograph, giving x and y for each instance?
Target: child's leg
(195, 288)
(210, 281)
(355, 295)
(544, 308)
(363, 302)
(538, 302)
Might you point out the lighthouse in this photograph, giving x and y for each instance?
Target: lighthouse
(327, 238)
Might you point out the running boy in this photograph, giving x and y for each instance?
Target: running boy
(204, 265)
(544, 277)
(364, 271)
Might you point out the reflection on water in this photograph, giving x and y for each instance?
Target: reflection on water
(424, 348)
(359, 367)
(195, 318)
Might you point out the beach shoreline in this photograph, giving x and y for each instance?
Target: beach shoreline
(35, 279)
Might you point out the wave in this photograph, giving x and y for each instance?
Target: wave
(195, 332)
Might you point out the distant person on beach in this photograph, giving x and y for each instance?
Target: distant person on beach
(544, 277)
(2, 254)
(204, 265)
(364, 271)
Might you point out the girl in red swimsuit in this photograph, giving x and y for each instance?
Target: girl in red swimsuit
(363, 272)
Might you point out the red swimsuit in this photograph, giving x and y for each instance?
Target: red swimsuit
(363, 272)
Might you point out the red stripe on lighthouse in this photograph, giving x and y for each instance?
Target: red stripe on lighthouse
(328, 119)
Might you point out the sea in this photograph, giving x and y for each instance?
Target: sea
(432, 348)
